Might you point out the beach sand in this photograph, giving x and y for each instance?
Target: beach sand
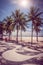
(27, 56)
(28, 39)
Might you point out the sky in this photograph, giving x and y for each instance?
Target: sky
(9, 6)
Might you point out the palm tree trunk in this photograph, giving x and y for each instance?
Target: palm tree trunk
(17, 35)
(37, 36)
(32, 35)
(9, 36)
(21, 35)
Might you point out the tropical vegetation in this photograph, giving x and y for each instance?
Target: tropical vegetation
(18, 21)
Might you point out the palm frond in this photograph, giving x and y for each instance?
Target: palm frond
(39, 14)
(37, 10)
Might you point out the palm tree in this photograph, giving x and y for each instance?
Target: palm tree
(19, 21)
(32, 16)
(7, 25)
(37, 26)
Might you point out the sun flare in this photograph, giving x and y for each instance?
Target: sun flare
(23, 3)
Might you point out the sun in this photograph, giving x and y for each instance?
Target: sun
(23, 3)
